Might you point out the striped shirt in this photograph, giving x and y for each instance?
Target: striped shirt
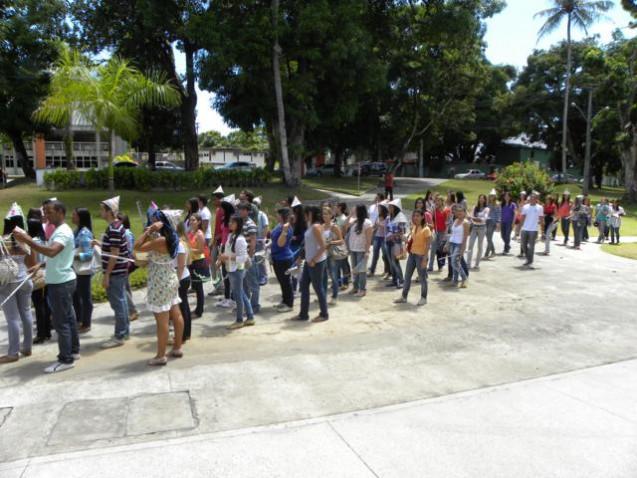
(115, 237)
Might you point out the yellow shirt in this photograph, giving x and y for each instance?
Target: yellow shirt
(420, 237)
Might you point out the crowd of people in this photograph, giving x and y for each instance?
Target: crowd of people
(329, 248)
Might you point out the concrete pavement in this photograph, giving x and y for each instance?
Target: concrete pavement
(579, 424)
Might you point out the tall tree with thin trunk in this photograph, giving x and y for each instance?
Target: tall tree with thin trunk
(579, 14)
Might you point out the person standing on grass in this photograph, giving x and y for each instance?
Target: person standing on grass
(133, 314)
(602, 214)
(83, 297)
(360, 230)
(283, 258)
(389, 185)
(161, 242)
(478, 229)
(417, 260)
(181, 263)
(564, 214)
(550, 223)
(115, 269)
(493, 223)
(615, 221)
(507, 220)
(38, 297)
(532, 221)
(333, 237)
(60, 280)
(199, 266)
(251, 276)
(315, 267)
(235, 256)
(17, 307)
(458, 238)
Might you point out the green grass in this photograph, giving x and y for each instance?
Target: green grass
(346, 185)
(628, 251)
(472, 188)
(29, 195)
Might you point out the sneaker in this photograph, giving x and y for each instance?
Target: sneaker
(422, 302)
(58, 367)
(76, 356)
(235, 325)
(249, 323)
(283, 308)
(227, 304)
(112, 343)
(400, 300)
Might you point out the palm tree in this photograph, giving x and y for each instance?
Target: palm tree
(578, 13)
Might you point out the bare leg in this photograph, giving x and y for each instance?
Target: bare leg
(162, 333)
(178, 324)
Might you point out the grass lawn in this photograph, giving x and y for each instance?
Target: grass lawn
(472, 188)
(29, 195)
(628, 251)
(346, 185)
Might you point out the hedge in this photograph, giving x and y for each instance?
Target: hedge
(142, 179)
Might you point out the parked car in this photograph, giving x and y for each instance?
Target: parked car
(239, 166)
(377, 168)
(471, 174)
(167, 166)
(124, 163)
(560, 178)
(326, 170)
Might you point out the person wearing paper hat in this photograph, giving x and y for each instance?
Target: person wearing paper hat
(218, 192)
(163, 284)
(493, 192)
(115, 263)
(396, 229)
(296, 202)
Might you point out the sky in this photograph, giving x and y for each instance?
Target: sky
(511, 37)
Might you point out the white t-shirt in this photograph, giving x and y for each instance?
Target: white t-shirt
(181, 250)
(532, 215)
(206, 216)
(373, 213)
(358, 242)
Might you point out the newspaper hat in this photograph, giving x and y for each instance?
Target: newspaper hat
(396, 203)
(112, 204)
(219, 190)
(257, 200)
(566, 192)
(173, 216)
(493, 192)
(296, 202)
(229, 199)
(14, 210)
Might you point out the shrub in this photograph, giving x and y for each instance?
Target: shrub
(141, 179)
(528, 177)
(138, 280)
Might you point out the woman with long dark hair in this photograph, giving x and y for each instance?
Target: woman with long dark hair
(299, 226)
(315, 266)
(283, 258)
(396, 229)
(181, 263)
(82, 298)
(457, 244)
(191, 207)
(235, 256)
(38, 296)
(418, 257)
(508, 208)
(550, 223)
(564, 214)
(478, 229)
(199, 267)
(227, 205)
(333, 238)
(360, 230)
(378, 249)
(161, 242)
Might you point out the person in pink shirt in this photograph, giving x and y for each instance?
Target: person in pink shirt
(564, 213)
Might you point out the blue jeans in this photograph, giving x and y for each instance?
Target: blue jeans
(333, 269)
(262, 264)
(60, 298)
(18, 310)
(378, 245)
(359, 270)
(505, 233)
(251, 285)
(456, 262)
(394, 264)
(116, 294)
(240, 297)
(313, 275)
(414, 263)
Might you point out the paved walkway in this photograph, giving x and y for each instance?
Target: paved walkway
(580, 424)
(403, 187)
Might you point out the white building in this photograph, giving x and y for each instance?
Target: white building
(215, 157)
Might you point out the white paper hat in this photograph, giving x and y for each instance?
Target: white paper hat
(229, 199)
(396, 202)
(174, 216)
(113, 204)
(14, 210)
(296, 202)
(566, 192)
(493, 192)
(219, 190)
(257, 200)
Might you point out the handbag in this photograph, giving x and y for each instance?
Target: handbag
(8, 267)
(338, 252)
(400, 253)
(84, 268)
(38, 280)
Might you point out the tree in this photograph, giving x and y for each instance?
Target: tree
(28, 32)
(581, 14)
(631, 7)
(110, 97)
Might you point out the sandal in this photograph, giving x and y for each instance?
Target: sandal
(176, 353)
(157, 361)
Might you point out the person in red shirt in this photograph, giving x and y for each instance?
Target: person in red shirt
(440, 218)
(550, 223)
(564, 213)
(389, 185)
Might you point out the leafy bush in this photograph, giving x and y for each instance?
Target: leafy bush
(142, 179)
(528, 177)
(138, 280)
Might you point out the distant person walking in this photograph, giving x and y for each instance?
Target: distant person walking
(602, 215)
(389, 185)
(420, 240)
(564, 214)
(615, 221)
(493, 223)
(478, 229)
(532, 221)
(507, 220)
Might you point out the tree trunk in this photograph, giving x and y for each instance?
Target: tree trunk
(111, 170)
(98, 148)
(338, 161)
(152, 156)
(68, 147)
(290, 179)
(567, 93)
(629, 160)
(189, 111)
(587, 157)
(297, 141)
(21, 154)
(272, 135)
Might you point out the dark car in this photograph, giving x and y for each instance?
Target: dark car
(377, 168)
(239, 166)
(167, 166)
